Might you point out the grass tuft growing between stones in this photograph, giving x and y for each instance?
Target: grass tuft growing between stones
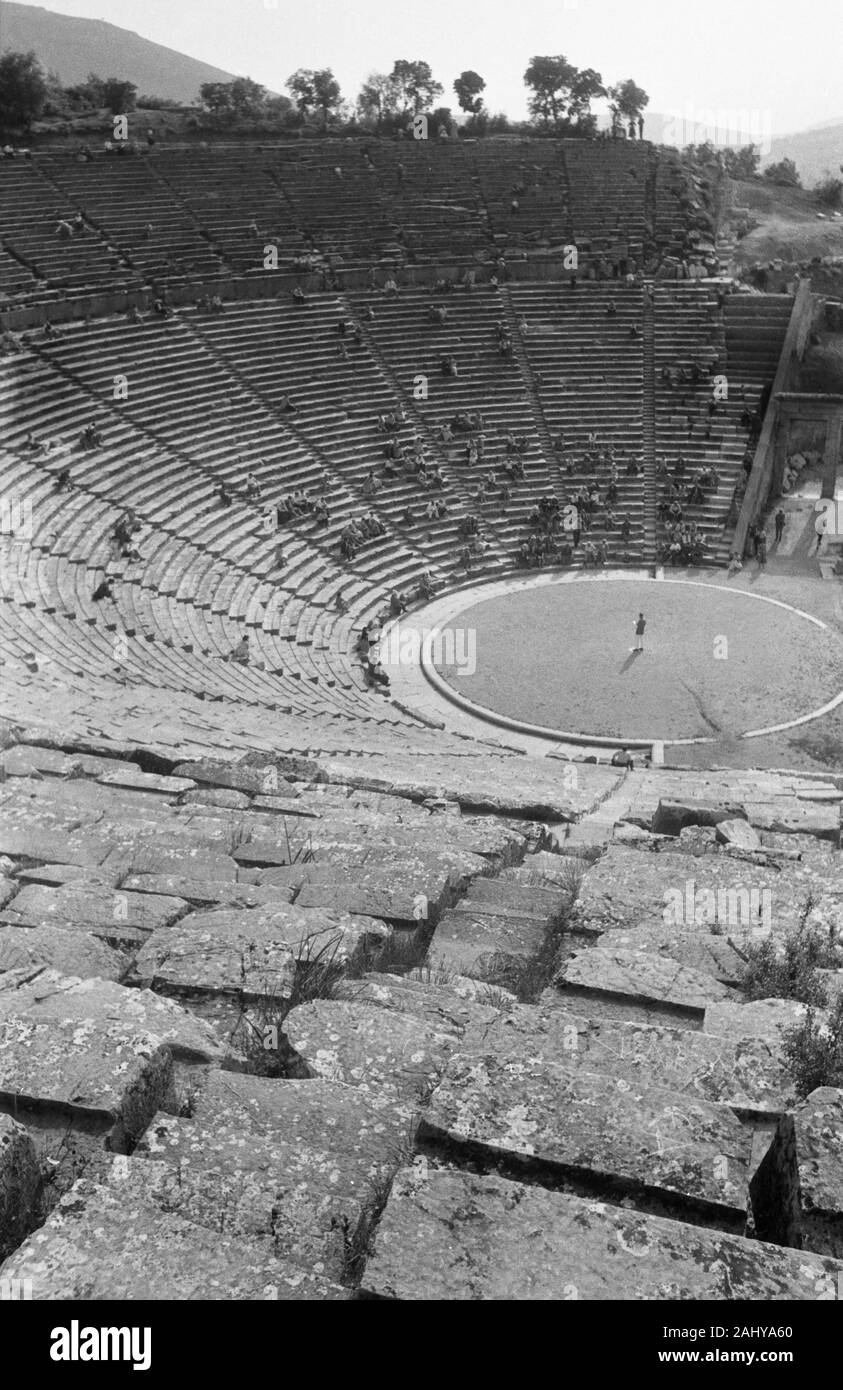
(400, 1155)
(318, 975)
(813, 1051)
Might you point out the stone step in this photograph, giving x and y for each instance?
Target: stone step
(295, 1160)
(640, 986)
(112, 1240)
(456, 1236)
(592, 1133)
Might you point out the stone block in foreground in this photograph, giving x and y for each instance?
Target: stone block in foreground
(255, 951)
(485, 945)
(19, 1180)
(633, 983)
(299, 1161)
(594, 1130)
(447, 1234)
(109, 1240)
(819, 1154)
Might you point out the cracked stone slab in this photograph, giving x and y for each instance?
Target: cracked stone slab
(207, 892)
(258, 774)
(745, 1073)
(593, 1127)
(722, 957)
(111, 1240)
(111, 913)
(254, 952)
(433, 880)
(56, 875)
(69, 952)
(454, 1006)
(819, 1154)
(85, 1060)
(151, 782)
(189, 860)
(19, 1182)
(296, 1160)
(44, 1000)
(639, 976)
(27, 760)
(376, 1050)
(400, 904)
(452, 1235)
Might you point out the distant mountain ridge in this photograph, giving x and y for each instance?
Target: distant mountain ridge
(73, 48)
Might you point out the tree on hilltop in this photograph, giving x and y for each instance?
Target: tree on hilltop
(550, 79)
(627, 102)
(417, 88)
(23, 90)
(468, 87)
(315, 91)
(378, 99)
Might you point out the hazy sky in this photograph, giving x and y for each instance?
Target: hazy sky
(782, 61)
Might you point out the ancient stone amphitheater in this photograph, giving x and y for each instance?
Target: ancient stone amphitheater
(304, 995)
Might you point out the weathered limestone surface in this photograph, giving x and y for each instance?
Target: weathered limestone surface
(19, 1178)
(113, 1241)
(55, 875)
(455, 1005)
(112, 914)
(295, 1160)
(45, 1000)
(402, 905)
(597, 1127)
(255, 774)
(819, 1153)
(723, 957)
(453, 1235)
(746, 1073)
(379, 1051)
(205, 892)
(256, 952)
(67, 951)
(631, 889)
(63, 1044)
(761, 1018)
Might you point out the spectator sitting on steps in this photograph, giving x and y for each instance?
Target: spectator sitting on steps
(103, 590)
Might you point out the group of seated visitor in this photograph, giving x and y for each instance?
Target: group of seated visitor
(684, 545)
